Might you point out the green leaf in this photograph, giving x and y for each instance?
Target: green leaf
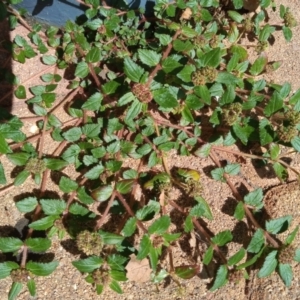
(10, 244)
(73, 134)
(41, 269)
(67, 185)
(31, 287)
(6, 267)
(171, 237)
(203, 151)
(203, 92)
(170, 64)
(218, 174)
(237, 257)
(94, 172)
(165, 98)
(15, 290)
(228, 96)
(274, 151)
(21, 177)
(255, 199)
(38, 244)
(187, 272)
(250, 261)
(103, 193)
(125, 186)
(39, 110)
(113, 165)
(149, 57)
(160, 225)
(88, 265)
(110, 87)
(208, 255)
(2, 175)
(144, 247)
(20, 92)
(256, 242)
(53, 207)
(27, 205)
(160, 276)
(93, 102)
(290, 238)
(133, 70)
(222, 238)
(265, 132)
(49, 59)
(111, 238)
(269, 265)
(258, 66)
(297, 255)
(55, 164)
(212, 58)
(4, 148)
(118, 275)
(232, 169)
(295, 100)
(185, 73)
(164, 39)
(181, 46)
(286, 273)
(235, 16)
(43, 224)
(99, 288)
(18, 158)
(238, 4)
(296, 143)
(82, 69)
(78, 209)
(151, 208)
(94, 55)
(221, 278)
(133, 111)
(275, 104)
(83, 196)
(129, 227)
(126, 98)
(201, 209)
(278, 225)
(115, 287)
(239, 211)
(116, 262)
(266, 32)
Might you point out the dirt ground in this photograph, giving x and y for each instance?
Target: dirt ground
(67, 283)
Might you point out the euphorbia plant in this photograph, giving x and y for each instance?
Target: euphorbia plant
(143, 86)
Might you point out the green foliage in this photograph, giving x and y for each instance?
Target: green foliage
(139, 92)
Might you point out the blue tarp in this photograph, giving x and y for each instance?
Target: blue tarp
(57, 12)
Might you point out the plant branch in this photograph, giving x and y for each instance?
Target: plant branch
(164, 56)
(129, 210)
(201, 230)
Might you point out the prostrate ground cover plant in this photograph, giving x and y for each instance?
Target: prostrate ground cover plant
(142, 86)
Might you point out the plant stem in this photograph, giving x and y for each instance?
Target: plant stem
(238, 197)
(107, 208)
(131, 213)
(42, 137)
(164, 56)
(201, 230)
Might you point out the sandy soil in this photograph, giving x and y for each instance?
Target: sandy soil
(67, 283)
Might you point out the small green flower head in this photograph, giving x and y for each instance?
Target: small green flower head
(35, 166)
(20, 275)
(231, 113)
(89, 242)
